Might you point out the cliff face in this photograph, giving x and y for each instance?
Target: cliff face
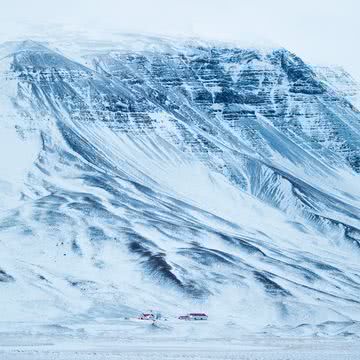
(341, 81)
(238, 87)
(201, 172)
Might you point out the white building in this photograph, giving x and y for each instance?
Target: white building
(198, 316)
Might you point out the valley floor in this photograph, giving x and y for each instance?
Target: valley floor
(101, 343)
(259, 349)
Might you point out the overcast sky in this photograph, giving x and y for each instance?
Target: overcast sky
(320, 31)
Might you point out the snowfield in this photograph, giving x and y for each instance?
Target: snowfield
(269, 350)
(122, 340)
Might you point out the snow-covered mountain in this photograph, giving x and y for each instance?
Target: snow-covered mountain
(338, 78)
(177, 175)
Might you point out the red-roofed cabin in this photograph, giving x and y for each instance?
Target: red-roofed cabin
(197, 316)
(147, 317)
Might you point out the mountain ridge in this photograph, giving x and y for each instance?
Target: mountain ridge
(201, 174)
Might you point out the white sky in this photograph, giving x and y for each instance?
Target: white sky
(320, 31)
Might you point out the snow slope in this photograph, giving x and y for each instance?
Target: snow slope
(176, 176)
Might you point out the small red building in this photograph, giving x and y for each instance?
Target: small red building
(193, 316)
(147, 316)
(198, 316)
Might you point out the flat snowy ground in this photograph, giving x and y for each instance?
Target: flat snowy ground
(40, 342)
(251, 349)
